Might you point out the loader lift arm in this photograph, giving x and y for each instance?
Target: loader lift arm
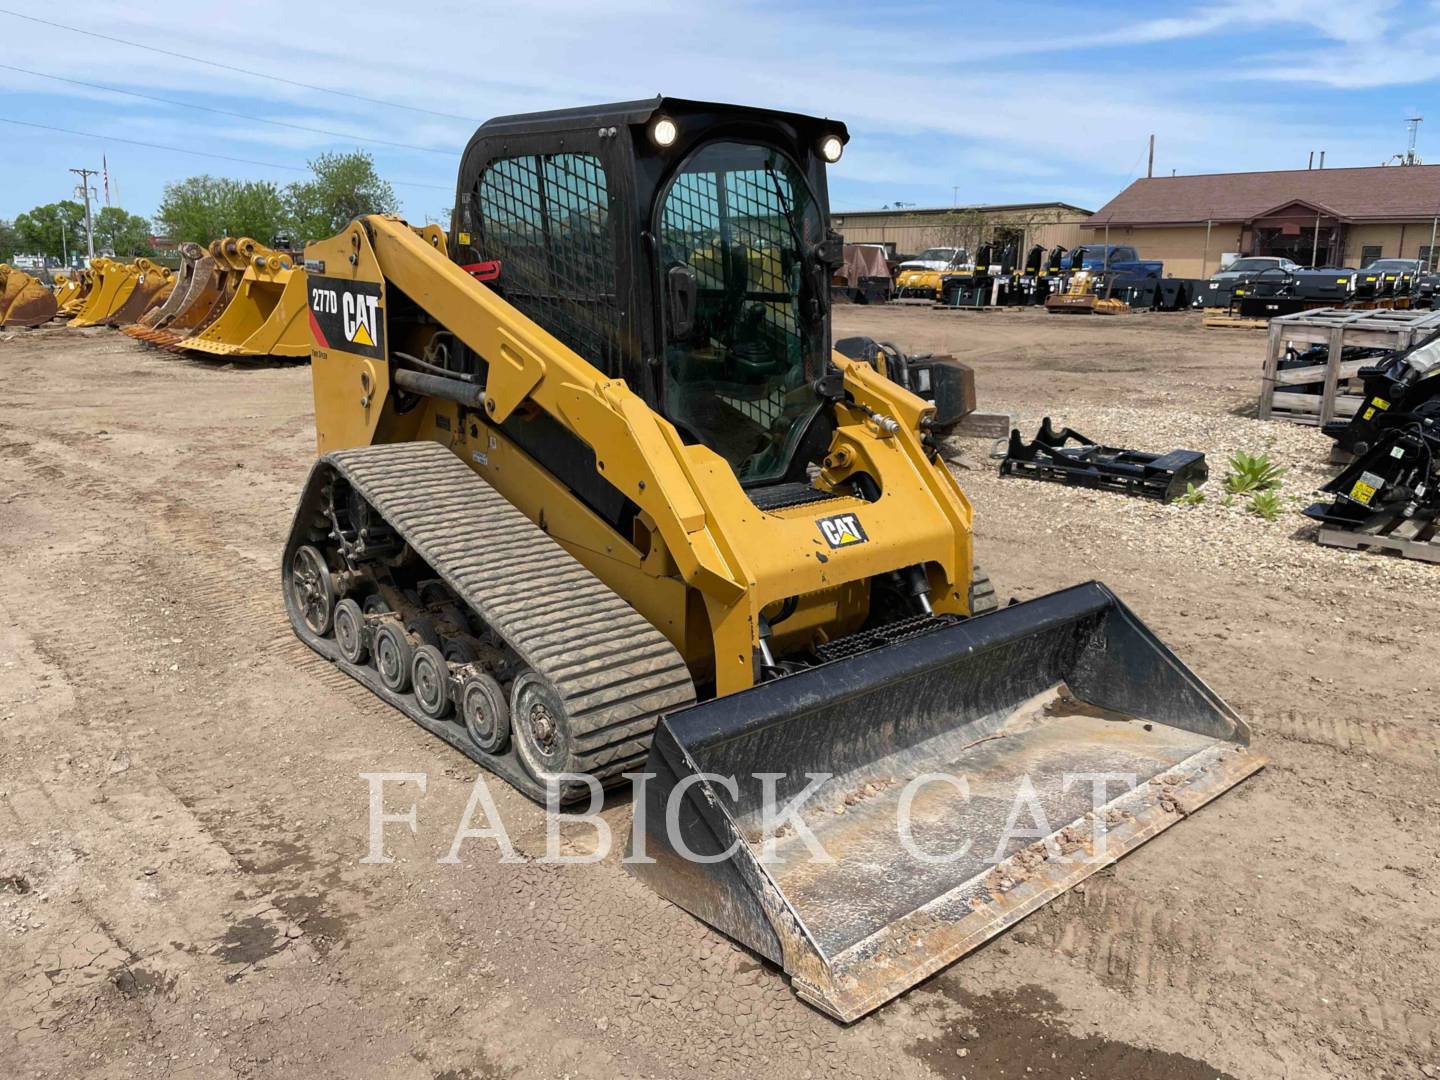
(689, 492)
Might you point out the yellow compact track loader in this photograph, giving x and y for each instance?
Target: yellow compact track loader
(596, 502)
(266, 314)
(24, 301)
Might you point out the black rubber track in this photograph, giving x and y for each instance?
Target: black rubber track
(616, 673)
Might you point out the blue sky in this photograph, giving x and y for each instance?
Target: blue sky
(983, 102)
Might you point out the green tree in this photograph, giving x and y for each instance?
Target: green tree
(9, 241)
(964, 228)
(345, 187)
(125, 234)
(202, 208)
(52, 229)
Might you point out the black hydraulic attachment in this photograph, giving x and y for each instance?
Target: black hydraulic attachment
(1068, 457)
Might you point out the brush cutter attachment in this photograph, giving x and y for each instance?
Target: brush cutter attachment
(950, 784)
(1068, 457)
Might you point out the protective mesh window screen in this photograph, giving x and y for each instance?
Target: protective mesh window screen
(546, 218)
(734, 229)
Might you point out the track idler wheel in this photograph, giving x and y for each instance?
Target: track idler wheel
(312, 590)
(350, 637)
(540, 727)
(430, 680)
(393, 655)
(485, 711)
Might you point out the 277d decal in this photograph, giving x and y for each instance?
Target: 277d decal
(347, 315)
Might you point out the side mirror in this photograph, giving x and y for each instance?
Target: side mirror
(680, 296)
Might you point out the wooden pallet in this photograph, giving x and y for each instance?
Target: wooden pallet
(1216, 318)
(1406, 537)
(1335, 328)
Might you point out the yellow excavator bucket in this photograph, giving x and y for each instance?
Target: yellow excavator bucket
(232, 256)
(66, 286)
(153, 285)
(205, 296)
(75, 292)
(24, 301)
(183, 279)
(114, 282)
(267, 316)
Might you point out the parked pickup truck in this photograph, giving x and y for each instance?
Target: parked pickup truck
(1122, 259)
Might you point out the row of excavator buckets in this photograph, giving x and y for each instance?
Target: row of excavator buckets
(236, 298)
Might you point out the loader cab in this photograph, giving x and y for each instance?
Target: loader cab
(682, 246)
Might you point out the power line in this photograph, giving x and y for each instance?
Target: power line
(224, 112)
(232, 67)
(195, 153)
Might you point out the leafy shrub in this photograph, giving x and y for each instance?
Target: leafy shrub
(1193, 496)
(1266, 504)
(1252, 473)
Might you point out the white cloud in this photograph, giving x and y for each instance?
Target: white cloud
(999, 99)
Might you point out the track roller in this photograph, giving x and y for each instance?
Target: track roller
(393, 655)
(485, 711)
(351, 636)
(430, 680)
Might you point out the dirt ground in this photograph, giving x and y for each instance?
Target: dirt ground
(182, 816)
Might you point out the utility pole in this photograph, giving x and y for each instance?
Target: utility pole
(85, 175)
(1150, 169)
(64, 247)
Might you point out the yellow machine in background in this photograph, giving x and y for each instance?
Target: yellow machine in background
(597, 498)
(1082, 298)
